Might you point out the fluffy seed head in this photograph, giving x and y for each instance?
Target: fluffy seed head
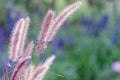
(58, 21)
(18, 38)
(42, 44)
(41, 70)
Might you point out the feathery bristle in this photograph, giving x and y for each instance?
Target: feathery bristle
(14, 41)
(18, 39)
(23, 36)
(42, 44)
(29, 49)
(41, 70)
(19, 68)
(29, 72)
(60, 19)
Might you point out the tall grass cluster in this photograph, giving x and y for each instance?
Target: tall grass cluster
(20, 56)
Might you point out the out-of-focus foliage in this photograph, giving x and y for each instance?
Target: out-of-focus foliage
(86, 45)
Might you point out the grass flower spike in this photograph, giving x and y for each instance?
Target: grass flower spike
(42, 44)
(19, 68)
(51, 25)
(21, 56)
(18, 39)
(29, 72)
(58, 21)
(41, 70)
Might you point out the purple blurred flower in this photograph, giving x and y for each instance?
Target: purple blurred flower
(60, 43)
(93, 26)
(115, 36)
(104, 21)
(53, 48)
(1, 40)
(57, 45)
(116, 66)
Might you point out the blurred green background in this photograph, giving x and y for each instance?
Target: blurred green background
(85, 46)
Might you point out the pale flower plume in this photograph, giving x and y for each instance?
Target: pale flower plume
(53, 25)
(29, 72)
(18, 39)
(41, 70)
(50, 25)
(58, 21)
(42, 44)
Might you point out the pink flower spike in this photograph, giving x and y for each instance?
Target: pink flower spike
(29, 72)
(60, 19)
(46, 24)
(41, 70)
(18, 39)
(29, 49)
(42, 44)
(14, 41)
(19, 68)
(116, 66)
(23, 36)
